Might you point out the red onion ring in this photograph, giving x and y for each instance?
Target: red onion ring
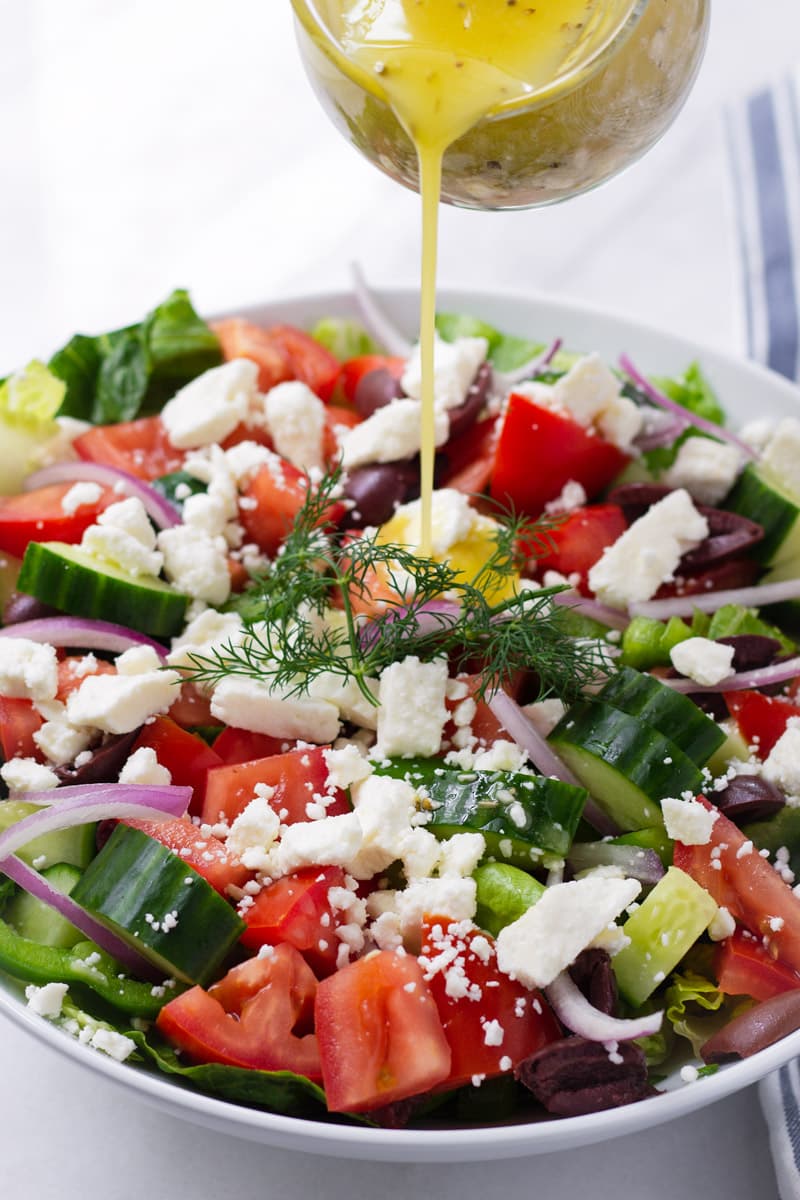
(748, 597)
(163, 514)
(761, 677)
(658, 398)
(375, 319)
(34, 883)
(83, 632)
(574, 1010)
(523, 732)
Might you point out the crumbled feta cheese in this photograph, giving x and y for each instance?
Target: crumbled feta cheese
(210, 407)
(544, 715)
(143, 767)
(537, 946)
(124, 536)
(60, 741)
(493, 1033)
(688, 821)
(782, 765)
(255, 706)
(332, 841)
(346, 766)
(722, 925)
(706, 468)
(46, 1001)
(209, 631)
(114, 1044)
(390, 434)
(647, 554)
(502, 755)
(296, 423)
(573, 495)
(196, 563)
(460, 854)
(781, 455)
(27, 775)
(412, 712)
(119, 703)
(347, 696)
(591, 393)
(79, 495)
(448, 897)
(28, 670)
(455, 365)
(703, 660)
(253, 833)
(453, 520)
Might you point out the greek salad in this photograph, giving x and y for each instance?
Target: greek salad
(325, 826)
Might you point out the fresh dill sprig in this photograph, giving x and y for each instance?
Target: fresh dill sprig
(311, 601)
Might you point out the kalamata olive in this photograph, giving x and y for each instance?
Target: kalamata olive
(105, 764)
(728, 535)
(22, 607)
(749, 798)
(375, 390)
(751, 650)
(575, 1076)
(467, 412)
(635, 498)
(594, 975)
(376, 491)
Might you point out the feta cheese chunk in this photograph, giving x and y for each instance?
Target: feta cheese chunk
(79, 495)
(647, 554)
(782, 765)
(453, 521)
(449, 896)
(253, 833)
(259, 708)
(196, 563)
(706, 468)
(28, 670)
(296, 422)
(346, 766)
(60, 741)
(124, 536)
(27, 775)
(384, 808)
(210, 407)
(455, 365)
(688, 821)
(392, 433)
(122, 702)
(412, 712)
(703, 660)
(544, 941)
(209, 631)
(331, 841)
(781, 455)
(592, 395)
(47, 1000)
(142, 767)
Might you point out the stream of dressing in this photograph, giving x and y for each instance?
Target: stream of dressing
(443, 65)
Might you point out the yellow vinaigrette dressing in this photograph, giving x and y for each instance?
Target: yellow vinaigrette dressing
(442, 66)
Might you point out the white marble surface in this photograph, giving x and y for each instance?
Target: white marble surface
(147, 145)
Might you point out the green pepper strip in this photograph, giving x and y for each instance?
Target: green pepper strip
(83, 963)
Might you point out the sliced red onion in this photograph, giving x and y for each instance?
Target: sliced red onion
(663, 434)
(636, 862)
(375, 319)
(748, 597)
(574, 1010)
(657, 397)
(778, 672)
(613, 617)
(83, 632)
(98, 802)
(29, 879)
(755, 1029)
(162, 513)
(530, 369)
(523, 732)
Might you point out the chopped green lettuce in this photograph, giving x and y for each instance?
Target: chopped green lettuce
(694, 392)
(344, 338)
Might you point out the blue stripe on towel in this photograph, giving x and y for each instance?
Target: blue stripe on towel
(776, 239)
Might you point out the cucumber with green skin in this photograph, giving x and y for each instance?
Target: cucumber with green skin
(668, 711)
(627, 765)
(151, 898)
(40, 922)
(76, 845)
(520, 816)
(759, 495)
(83, 586)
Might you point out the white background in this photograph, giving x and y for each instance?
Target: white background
(165, 143)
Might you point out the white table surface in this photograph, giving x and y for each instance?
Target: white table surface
(154, 144)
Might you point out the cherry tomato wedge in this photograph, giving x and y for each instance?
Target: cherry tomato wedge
(761, 719)
(576, 542)
(19, 721)
(141, 447)
(297, 910)
(258, 1016)
(185, 755)
(39, 516)
(379, 1032)
(206, 854)
(244, 339)
(744, 968)
(297, 777)
(240, 745)
(279, 494)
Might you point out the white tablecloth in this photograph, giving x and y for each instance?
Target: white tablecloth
(149, 145)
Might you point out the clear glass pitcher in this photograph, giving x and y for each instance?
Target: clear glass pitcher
(597, 118)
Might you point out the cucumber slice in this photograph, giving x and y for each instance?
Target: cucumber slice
(661, 930)
(76, 846)
(520, 816)
(504, 893)
(649, 839)
(759, 495)
(37, 921)
(787, 612)
(733, 746)
(72, 580)
(668, 711)
(627, 765)
(134, 883)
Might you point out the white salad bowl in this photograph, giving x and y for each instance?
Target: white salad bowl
(746, 391)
